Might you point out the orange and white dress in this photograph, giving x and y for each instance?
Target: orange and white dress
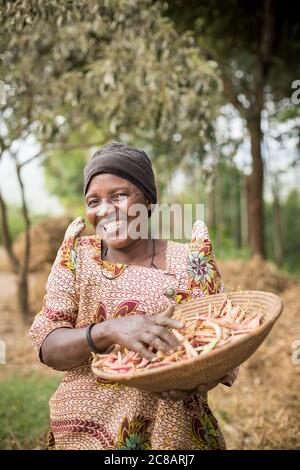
(87, 413)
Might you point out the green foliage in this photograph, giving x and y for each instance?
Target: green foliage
(24, 411)
(120, 65)
(226, 229)
(239, 37)
(219, 188)
(291, 231)
(226, 248)
(290, 227)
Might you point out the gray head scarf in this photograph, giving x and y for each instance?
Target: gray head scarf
(127, 162)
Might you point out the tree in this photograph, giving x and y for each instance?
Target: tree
(115, 66)
(256, 46)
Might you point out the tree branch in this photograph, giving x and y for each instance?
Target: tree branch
(60, 147)
(231, 94)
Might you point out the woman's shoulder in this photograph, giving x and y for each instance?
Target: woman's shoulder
(74, 244)
(74, 232)
(75, 228)
(78, 243)
(199, 230)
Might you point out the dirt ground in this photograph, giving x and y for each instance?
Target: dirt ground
(20, 357)
(260, 411)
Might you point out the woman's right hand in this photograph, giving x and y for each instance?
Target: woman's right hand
(141, 332)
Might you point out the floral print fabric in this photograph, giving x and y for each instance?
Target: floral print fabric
(88, 413)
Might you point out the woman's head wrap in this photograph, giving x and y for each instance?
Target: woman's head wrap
(127, 162)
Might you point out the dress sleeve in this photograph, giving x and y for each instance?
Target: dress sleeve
(202, 267)
(204, 273)
(60, 304)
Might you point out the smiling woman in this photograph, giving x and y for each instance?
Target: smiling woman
(115, 288)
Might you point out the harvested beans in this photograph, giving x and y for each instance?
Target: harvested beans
(199, 336)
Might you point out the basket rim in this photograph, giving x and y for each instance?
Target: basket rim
(267, 324)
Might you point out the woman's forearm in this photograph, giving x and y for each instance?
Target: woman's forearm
(65, 348)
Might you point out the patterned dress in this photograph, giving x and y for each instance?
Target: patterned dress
(87, 413)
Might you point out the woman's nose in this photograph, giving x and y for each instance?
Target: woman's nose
(106, 210)
(102, 210)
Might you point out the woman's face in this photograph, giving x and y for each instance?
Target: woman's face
(108, 201)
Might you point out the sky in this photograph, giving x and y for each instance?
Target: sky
(38, 199)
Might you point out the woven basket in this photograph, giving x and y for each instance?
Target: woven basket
(208, 367)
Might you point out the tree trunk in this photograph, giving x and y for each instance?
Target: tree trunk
(255, 184)
(22, 295)
(244, 215)
(6, 238)
(277, 232)
(231, 209)
(24, 267)
(210, 203)
(238, 197)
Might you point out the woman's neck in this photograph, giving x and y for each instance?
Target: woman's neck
(138, 252)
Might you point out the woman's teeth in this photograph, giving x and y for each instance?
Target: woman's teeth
(112, 226)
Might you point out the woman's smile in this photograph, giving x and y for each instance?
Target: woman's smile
(116, 229)
(112, 226)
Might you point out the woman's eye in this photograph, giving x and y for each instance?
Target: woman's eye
(92, 203)
(120, 197)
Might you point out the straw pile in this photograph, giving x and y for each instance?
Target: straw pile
(255, 274)
(46, 237)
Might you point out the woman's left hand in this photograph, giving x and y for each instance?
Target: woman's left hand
(177, 395)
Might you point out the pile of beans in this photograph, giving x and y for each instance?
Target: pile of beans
(200, 335)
